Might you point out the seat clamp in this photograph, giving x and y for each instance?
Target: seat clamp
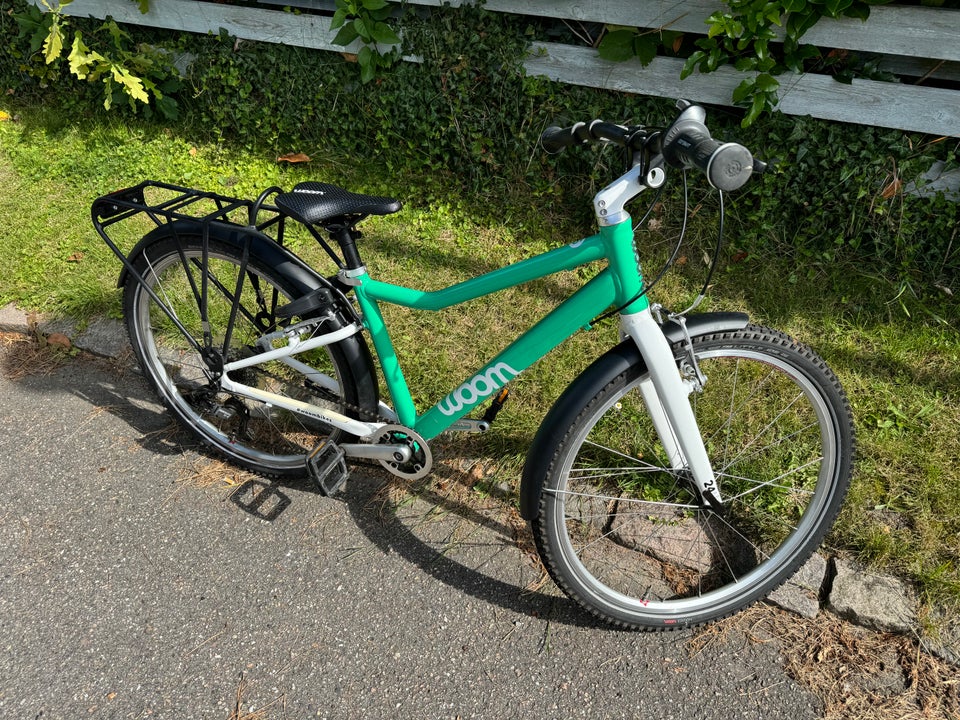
(351, 276)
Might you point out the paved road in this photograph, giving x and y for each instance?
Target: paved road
(126, 592)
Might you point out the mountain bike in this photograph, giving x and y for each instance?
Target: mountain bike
(686, 473)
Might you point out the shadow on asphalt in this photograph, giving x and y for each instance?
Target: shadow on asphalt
(492, 563)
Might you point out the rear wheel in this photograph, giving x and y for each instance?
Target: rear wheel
(255, 435)
(624, 534)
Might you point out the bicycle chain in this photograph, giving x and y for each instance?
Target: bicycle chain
(343, 406)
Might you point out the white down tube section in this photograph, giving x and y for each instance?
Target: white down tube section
(667, 400)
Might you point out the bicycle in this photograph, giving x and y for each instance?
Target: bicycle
(686, 473)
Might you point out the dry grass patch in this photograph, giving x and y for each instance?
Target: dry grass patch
(205, 472)
(856, 672)
(33, 354)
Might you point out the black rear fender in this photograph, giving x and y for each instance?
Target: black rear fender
(262, 247)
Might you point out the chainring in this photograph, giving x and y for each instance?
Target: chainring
(421, 462)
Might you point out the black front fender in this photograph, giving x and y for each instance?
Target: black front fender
(587, 385)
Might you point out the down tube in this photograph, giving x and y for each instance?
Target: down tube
(572, 314)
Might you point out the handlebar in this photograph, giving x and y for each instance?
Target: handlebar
(555, 139)
(686, 143)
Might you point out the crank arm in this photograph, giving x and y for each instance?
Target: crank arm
(384, 452)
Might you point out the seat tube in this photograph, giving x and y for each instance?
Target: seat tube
(667, 400)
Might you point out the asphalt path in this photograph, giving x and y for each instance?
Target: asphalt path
(129, 591)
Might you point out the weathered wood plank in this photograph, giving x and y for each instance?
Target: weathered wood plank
(925, 32)
(310, 31)
(891, 30)
(865, 102)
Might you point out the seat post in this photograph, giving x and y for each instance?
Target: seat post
(346, 237)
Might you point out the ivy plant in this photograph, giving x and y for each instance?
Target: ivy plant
(744, 34)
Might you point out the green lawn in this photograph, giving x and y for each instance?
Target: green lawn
(898, 357)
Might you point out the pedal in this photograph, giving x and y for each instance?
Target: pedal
(326, 465)
(496, 406)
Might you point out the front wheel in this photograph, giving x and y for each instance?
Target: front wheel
(624, 534)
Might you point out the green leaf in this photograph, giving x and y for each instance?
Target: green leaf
(360, 25)
(744, 89)
(717, 28)
(53, 45)
(858, 11)
(758, 106)
(799, 23)
(116, 33)
(645, 48)
(767, 83)
(81, 59)
(835, 8)
(347, 35)
(617, 45)
(144, 6)
(691, 64)
(844, 76)
(374, 4)
(131, 85)
(339, 18)
(384, 34)
(368, 64)
(167, 107)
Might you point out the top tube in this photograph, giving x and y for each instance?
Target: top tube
(616, 284)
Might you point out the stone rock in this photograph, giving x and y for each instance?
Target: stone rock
(59, 340)
(13, 319)
(591, 506)
(801, 593)
(874, 601)
(700, 546)
(671, 539)
(103, 336)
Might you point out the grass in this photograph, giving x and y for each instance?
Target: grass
(895, 347)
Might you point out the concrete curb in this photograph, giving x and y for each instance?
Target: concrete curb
(103, 336)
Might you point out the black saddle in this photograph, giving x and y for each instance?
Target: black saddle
(316, 203)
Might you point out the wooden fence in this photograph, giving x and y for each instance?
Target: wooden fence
(917, 43)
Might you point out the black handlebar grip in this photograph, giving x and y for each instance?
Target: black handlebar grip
(554, 139)
(687, 143)
(730, 167)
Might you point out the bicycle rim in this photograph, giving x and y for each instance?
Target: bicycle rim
(625, 534)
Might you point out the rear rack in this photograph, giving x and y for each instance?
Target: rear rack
(164, 203)
(174, 202)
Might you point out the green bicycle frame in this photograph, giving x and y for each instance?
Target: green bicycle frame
(617, 284)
